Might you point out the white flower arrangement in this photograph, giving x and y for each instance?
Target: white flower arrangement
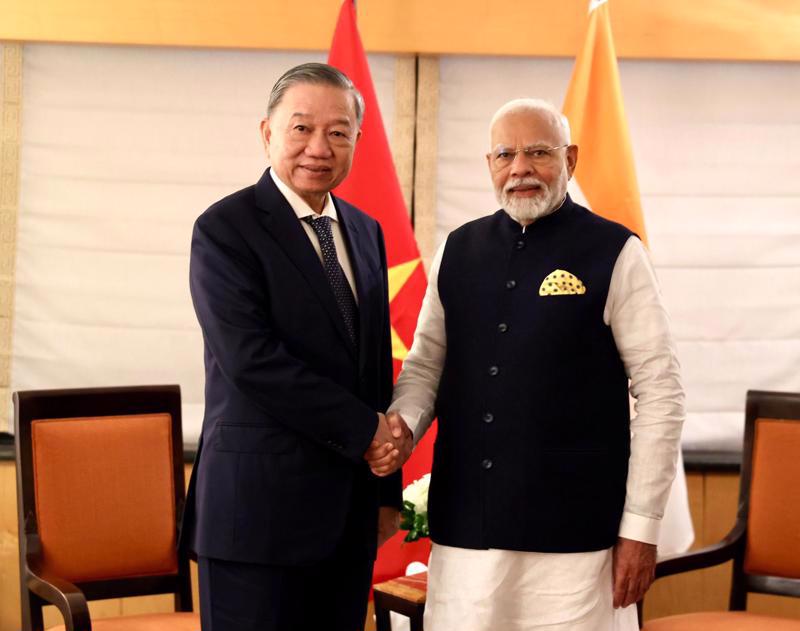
(414, 516)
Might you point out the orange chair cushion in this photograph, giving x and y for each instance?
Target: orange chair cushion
(773, 526)
(151, 622)
(722, 620)
(105, 497)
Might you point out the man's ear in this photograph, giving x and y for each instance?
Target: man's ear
(265, 132)
(572, 159)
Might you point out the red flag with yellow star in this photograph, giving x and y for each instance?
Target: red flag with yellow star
(372, 186)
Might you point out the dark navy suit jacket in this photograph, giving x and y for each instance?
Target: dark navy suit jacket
(290, 402)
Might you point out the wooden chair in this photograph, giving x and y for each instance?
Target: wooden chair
(100, 492)
(764, 544)
(405, 595)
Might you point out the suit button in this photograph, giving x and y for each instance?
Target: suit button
(510, 284)
(488, 417)
(502, 327)
(519, 244)
(493, 371)
(486, 464)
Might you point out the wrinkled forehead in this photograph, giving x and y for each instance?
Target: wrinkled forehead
(527, 127)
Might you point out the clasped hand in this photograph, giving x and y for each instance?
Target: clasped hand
(391, 446)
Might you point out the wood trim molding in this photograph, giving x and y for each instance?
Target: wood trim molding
(10, 127)
(427, 155)
(757, 30)
(405, 112)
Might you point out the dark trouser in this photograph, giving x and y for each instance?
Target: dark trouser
(331, 595)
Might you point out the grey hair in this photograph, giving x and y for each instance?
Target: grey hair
(540, 106)
(316, 74)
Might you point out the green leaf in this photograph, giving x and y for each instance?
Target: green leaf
(415, 523)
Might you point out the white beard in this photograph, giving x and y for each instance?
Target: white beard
(526, 210)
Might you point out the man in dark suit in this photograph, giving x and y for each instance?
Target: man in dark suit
(290, 287)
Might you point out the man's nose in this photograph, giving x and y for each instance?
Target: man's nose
(318, 145)
(521, 166)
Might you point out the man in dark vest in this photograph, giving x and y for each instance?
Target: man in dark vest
(545, 497)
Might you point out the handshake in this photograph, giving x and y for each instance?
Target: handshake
(391, 445)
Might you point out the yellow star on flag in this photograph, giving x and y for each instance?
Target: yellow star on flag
(398, 275)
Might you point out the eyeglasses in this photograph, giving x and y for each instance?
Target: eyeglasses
(541, 156)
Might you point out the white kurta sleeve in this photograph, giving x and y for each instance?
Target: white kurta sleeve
(640, 326)
(415, 392)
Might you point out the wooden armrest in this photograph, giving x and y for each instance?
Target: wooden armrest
(65, 596)
(709, 556)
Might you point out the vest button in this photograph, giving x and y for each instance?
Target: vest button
(486, 464)
(519, 244)
(488, 417)
(510, 284)
(502, 327)
(493, 371)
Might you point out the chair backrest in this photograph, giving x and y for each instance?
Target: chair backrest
(769, 502)
(105, 496)
(101, 488)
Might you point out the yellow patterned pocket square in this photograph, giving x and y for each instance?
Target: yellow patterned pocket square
(561, 283)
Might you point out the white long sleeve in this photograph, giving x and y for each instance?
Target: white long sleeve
(415, 391)
(640, 326)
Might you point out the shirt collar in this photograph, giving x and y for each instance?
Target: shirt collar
(299, 205)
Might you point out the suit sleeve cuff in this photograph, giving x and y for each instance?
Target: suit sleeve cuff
(639, 528)
(355, 444)
(390, 490)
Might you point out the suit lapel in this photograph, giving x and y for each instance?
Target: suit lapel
(356, 243)
(282, 223)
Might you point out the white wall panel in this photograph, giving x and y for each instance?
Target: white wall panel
(715, 145)
(122, 148)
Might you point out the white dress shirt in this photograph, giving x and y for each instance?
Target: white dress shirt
(302, 209)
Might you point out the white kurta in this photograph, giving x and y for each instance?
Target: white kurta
(487, 590)
(490, 590)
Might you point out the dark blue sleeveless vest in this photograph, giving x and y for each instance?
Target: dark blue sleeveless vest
(533, 441)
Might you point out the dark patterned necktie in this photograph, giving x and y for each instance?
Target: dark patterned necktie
(335, 274)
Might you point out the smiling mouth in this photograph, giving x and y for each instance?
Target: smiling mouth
(524, 189)
(317, 170)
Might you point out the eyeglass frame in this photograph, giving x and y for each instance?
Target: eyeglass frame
(524, 150)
